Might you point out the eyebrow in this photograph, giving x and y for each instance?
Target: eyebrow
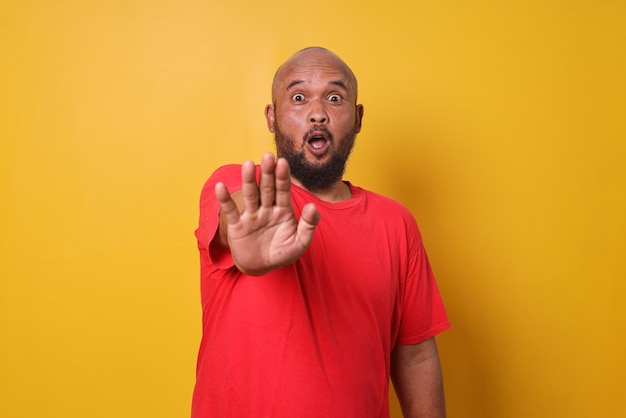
(338, 83)
(294, 83)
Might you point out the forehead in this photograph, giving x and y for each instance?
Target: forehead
(314, 67)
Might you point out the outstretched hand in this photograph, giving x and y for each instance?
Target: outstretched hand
(264, 234)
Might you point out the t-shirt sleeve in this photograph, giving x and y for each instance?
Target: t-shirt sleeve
(423, 311)
(208, 224)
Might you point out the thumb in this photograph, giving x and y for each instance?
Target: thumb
(309, 218)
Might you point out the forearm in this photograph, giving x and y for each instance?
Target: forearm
(418, 382)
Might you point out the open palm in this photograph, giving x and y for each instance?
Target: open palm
(266, 234)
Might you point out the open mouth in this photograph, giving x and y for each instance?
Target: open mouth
(318, 141)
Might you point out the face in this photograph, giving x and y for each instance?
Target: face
(315, 117)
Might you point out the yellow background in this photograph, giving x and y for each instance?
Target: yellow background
(500, 124)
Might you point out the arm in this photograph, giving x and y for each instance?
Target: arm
(258, 223)
(417, 380)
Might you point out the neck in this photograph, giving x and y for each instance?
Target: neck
(336, 193)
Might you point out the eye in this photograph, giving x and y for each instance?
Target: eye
(298, 97)
(334, 98)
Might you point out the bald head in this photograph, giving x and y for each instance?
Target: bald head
(315, 118)
(310, 58)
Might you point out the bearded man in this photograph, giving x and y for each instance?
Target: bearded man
(315, 292)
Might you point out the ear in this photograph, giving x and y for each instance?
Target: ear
(270, 117)
(359, 117)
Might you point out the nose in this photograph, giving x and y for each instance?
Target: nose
(318, 112)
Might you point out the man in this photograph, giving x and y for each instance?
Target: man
(314, 291)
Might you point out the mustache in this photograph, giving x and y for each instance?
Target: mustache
(316, 130)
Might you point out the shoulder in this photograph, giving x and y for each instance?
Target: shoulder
(384, 210)
(224, 174)
(391, 206)
(229, 174)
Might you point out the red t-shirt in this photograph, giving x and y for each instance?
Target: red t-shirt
(313, 339)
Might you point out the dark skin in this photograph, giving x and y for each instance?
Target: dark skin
(258, 223)
(259, 226)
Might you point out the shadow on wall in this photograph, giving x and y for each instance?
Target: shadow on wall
(429, 176)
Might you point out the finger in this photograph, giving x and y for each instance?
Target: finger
(249, 188)
(283, 183)
(309, 218)
(228, 208)
(267, 185)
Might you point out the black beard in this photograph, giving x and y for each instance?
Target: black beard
(315, 177)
